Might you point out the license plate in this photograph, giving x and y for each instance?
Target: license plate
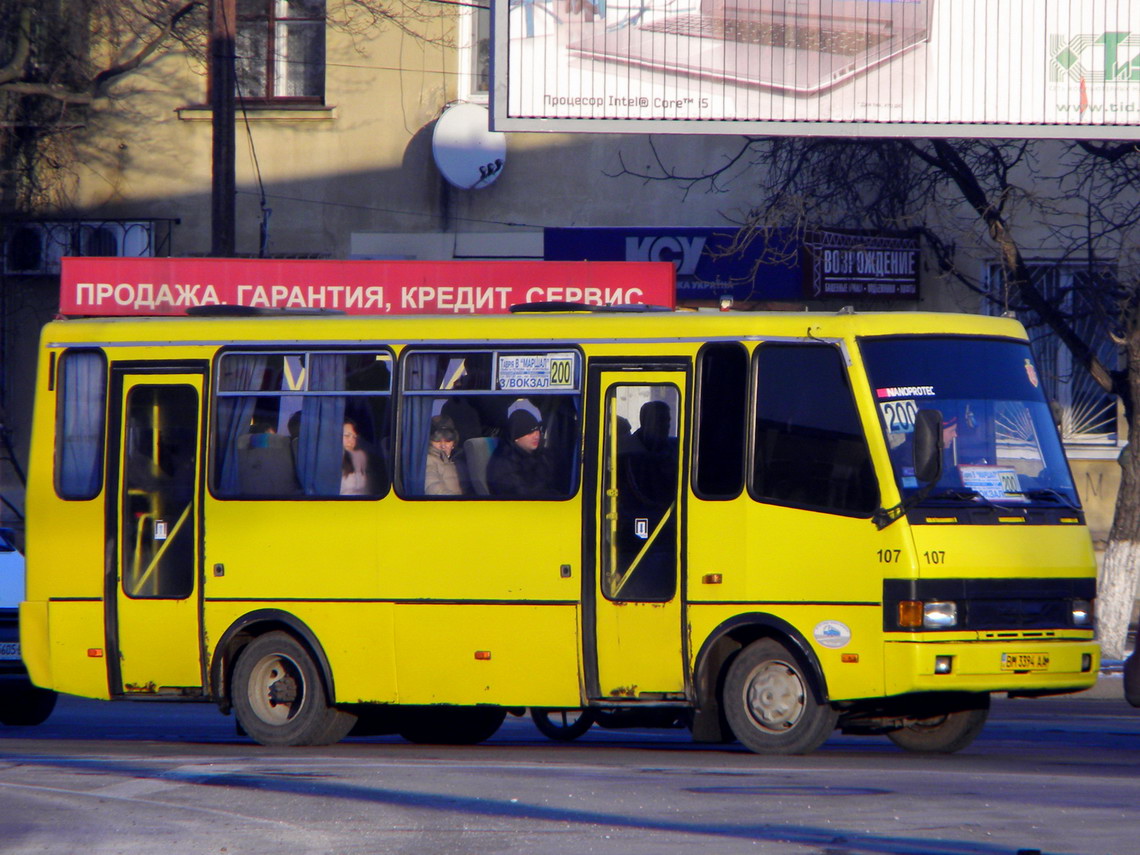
(1024, 661)
(9, 650)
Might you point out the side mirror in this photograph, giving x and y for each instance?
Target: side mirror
(928, 446)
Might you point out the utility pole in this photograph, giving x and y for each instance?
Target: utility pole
(223, 27)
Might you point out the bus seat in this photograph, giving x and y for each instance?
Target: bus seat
(477, 451)
(265, 465)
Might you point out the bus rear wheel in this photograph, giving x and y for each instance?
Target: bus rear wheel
(943, 734)
(279, 697)
(25, 705)
(562, 725)
(770, 702)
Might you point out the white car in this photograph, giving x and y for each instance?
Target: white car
(21, 703)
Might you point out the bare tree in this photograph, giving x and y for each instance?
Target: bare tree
(58, 58)
(995, 193)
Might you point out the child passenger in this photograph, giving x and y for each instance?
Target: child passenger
(441, 475)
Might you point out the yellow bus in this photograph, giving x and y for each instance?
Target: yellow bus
(772, 526)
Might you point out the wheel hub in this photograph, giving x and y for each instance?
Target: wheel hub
(775, 696)
(276, 690)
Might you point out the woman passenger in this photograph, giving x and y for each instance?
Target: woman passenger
(441, 473)
(355, 474)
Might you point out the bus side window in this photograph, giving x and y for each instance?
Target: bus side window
(722, 402)
(282, 420)
(474, 393)
(809, 447)
(82, 408)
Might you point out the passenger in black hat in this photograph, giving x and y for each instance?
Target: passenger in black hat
(521, 468)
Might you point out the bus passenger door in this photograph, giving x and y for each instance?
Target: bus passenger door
(635, 603)
(155, 632)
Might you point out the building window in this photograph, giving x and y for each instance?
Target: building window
(281, 50)
(475, 51)
(1087, 412)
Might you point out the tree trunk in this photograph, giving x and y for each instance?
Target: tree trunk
(1116, 588)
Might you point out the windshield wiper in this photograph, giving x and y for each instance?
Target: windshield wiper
(957, 495)
(973, 496)
(1048, 493)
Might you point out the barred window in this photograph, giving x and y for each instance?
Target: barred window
(1087, 412)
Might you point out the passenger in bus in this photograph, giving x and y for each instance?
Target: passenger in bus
(462, 412)
(653, 433)
(355, 469)
(522, 468)
(442, 471)
(648, 461)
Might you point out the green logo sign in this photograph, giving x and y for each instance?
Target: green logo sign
(1106, 58)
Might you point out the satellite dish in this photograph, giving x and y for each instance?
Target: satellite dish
(469, 155)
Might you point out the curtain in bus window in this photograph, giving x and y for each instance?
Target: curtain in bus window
(82, 415)
(242, 372)
(425, 371)
(320, 448)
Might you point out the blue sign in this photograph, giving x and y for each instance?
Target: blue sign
(709, 265)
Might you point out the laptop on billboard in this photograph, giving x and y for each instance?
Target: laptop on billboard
(800, 47)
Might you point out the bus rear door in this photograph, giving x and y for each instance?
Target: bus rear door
(155, 631)
(634, 613)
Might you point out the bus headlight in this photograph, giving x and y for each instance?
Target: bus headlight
(939, 615)
(1082, 612)
(916, 614)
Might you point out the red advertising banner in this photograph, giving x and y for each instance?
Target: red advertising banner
(170, 286)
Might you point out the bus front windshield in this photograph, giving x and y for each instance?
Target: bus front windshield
(1000, 443)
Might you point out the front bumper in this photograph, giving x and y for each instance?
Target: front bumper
(976, 666)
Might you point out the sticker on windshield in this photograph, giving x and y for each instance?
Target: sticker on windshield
(899, 416)
(905, 392)
(537, 371)
(1031, 373)
(1000, 483)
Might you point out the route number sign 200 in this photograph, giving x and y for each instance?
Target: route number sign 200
(899, 416)
(561, 372)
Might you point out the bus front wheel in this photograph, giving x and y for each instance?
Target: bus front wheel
(279, 697)
(943, 734)
(770, 702)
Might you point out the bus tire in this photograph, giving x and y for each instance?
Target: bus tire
(943, 734)
(25, 705)
(562, 725)
(770, 701)
(279, 697)
(451, 725)
(1132, 678)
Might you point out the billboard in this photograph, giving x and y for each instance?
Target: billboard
(171, 286)
(785, 266)
(996, 68)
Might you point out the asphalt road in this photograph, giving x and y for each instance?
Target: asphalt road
(1051, 775)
